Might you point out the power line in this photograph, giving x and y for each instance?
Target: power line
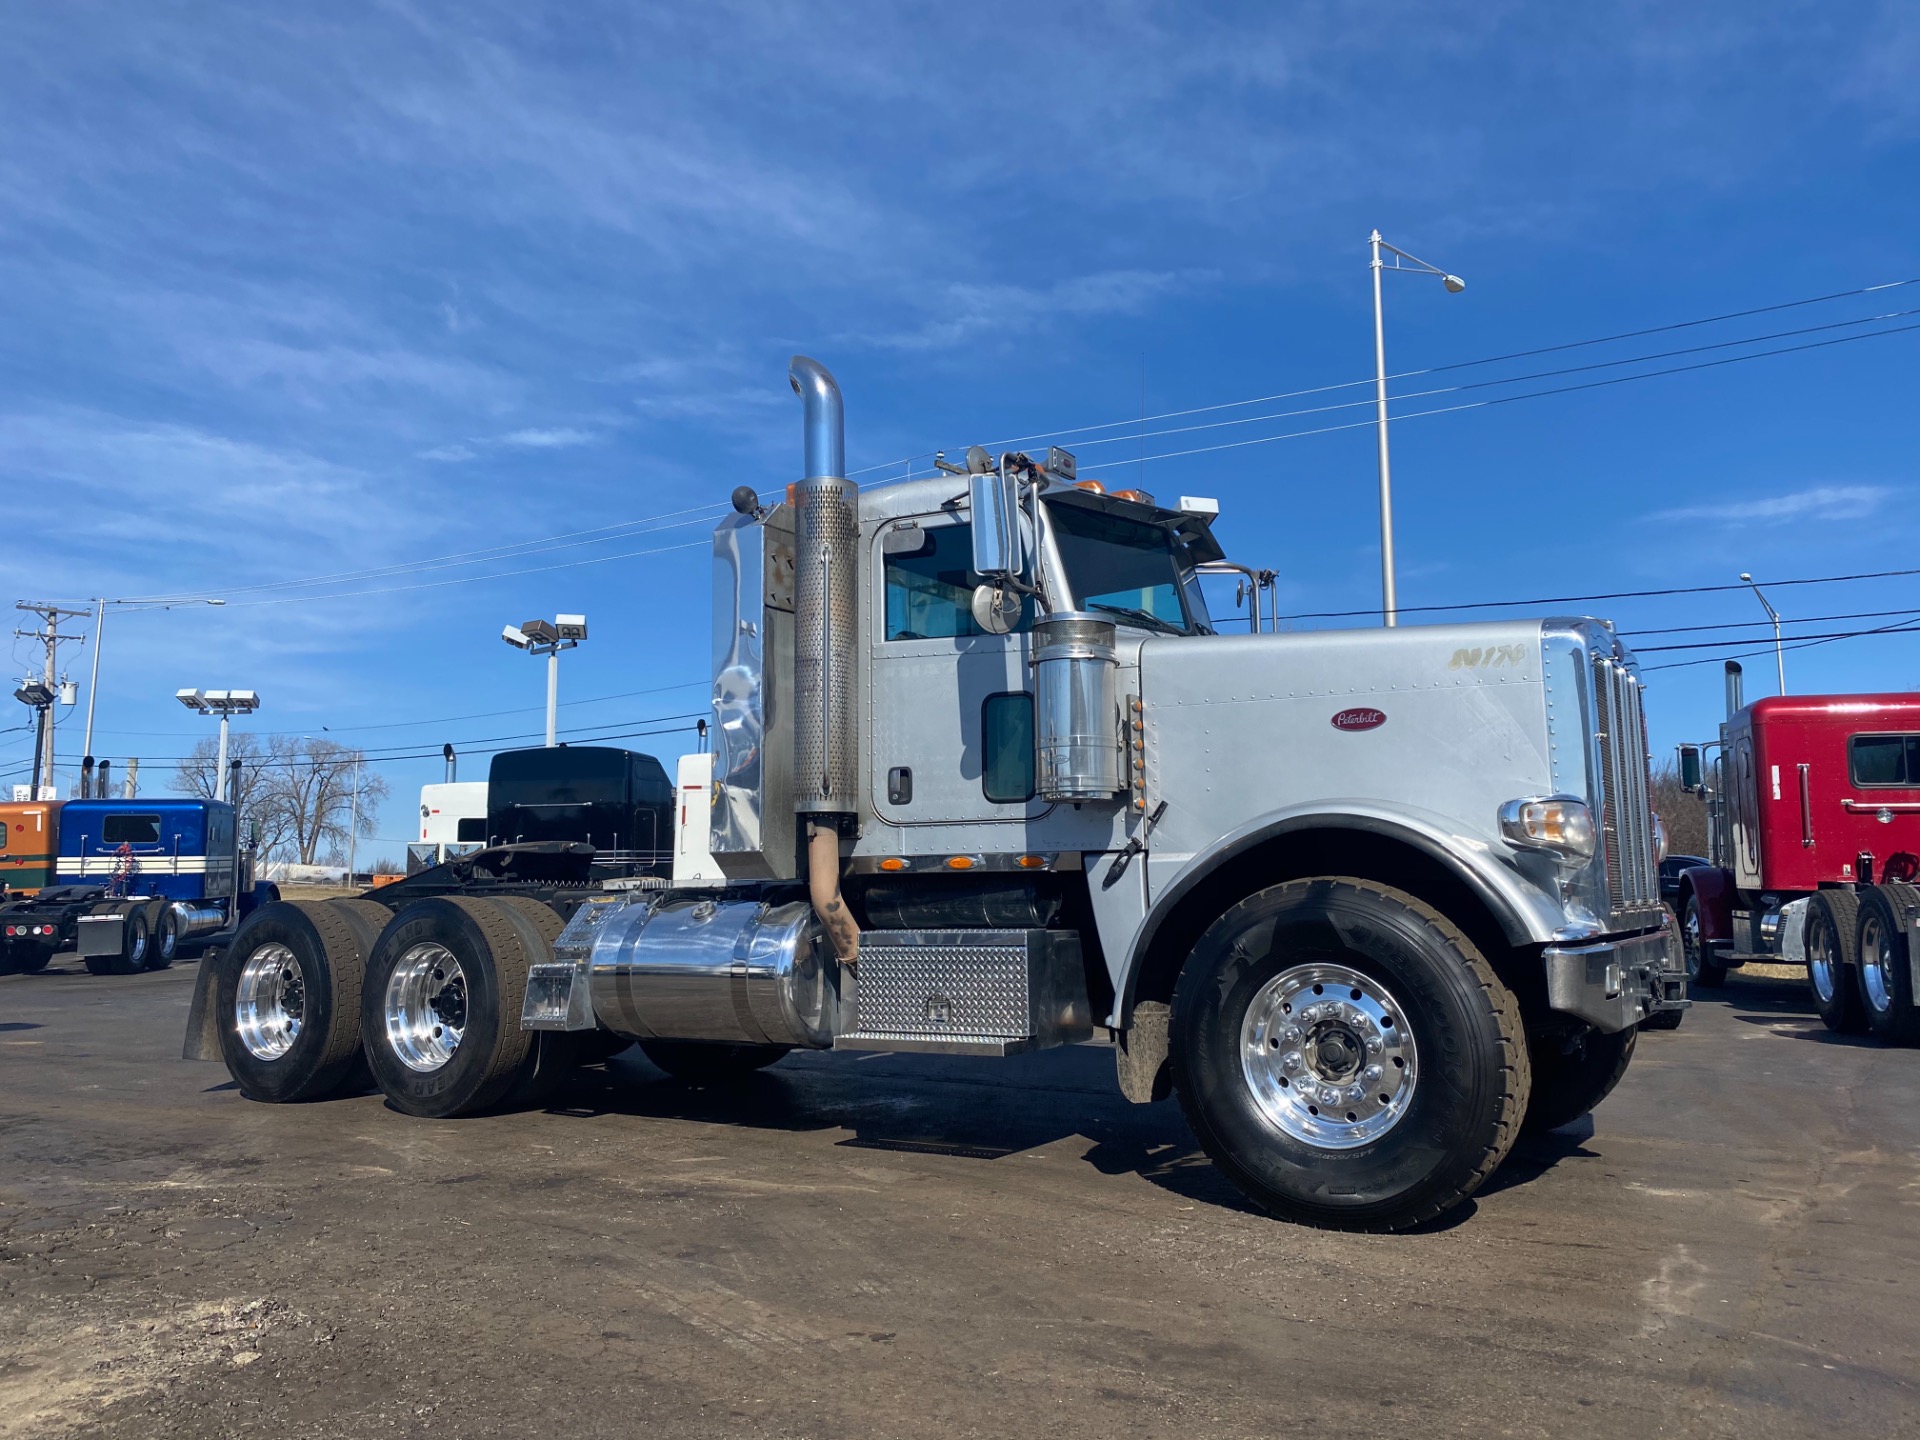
(1538, 394)
(699, 514)
(1760, 624)
(1434, 369)
(1906, 628)
(1612, 595)
(435, 719)
(1514, 379)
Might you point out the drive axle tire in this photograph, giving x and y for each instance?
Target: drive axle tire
(702, 1061)
(160, 922)
(1886, 973)
(1572, 1074)
(136, 939)
(1346, 1055)
(441, 1009)
(288, 1003)
(32, 959)
(1833, 960)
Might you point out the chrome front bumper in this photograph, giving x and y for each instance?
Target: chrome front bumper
(1613, 984)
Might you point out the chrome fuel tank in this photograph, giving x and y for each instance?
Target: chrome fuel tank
(735, 971)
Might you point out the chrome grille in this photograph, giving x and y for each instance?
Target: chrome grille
(1626, 813)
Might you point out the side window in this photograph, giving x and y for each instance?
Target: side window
(930, 590)
(1006, 731)
(1884, 760)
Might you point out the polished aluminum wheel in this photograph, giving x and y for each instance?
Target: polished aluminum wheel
(270, 1003)
(426, 1007)
(1876, 962)
(1328, 1056)
(1690, 940)
(1823, 965)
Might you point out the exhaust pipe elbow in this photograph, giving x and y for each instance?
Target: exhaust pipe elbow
(826, 430)
(823, 888)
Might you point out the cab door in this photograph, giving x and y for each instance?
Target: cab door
(950, 713)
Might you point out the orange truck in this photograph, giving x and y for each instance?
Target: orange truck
(28, 834)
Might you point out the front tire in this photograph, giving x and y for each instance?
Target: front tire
(1702, 969)
(1346, 1055)
(1573, 1074)
(1886, 973)
(1833, 960)
(288, 997)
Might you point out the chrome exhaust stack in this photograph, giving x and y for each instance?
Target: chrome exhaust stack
(826, 654)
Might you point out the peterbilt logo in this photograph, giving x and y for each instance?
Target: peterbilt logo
(1361, 719)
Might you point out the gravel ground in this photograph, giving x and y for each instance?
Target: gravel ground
(907, 1246)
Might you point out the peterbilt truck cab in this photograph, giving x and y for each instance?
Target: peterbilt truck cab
(986, 779)
(1813, 807)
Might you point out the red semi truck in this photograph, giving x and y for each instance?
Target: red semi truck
(1813, 805)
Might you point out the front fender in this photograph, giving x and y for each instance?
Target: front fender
(1712, 889)
(1509, 882)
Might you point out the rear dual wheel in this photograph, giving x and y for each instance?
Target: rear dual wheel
(1833, 960)
(136, 946)
(441, 1009)
(288, 997)
(1887, 913)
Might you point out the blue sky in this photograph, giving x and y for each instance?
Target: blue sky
(292, 292)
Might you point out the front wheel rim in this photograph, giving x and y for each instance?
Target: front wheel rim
(1876, 965)
(1328, 1056)
(426, 1007)
(1690, 940)
(270, 1004)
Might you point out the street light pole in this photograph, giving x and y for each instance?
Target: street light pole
(1389, 605)
(1779, 652)
(553, 697)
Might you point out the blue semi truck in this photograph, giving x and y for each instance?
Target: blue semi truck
(137, 884)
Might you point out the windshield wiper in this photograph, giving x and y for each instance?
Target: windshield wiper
(1144, 618)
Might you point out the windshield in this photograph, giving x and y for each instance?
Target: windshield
(1123, 567)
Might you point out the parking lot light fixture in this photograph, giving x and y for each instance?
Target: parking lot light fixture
(548, 638)
(226, 704)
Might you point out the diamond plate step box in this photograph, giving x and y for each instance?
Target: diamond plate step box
(969, 992)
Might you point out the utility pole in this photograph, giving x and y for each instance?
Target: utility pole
(49, 635)
(353, 824)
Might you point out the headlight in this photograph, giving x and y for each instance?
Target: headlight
(1659, 839)
(1557, 823)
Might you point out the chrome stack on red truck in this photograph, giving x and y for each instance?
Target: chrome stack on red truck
(1813, 809)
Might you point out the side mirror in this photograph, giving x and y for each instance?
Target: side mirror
(996, 609)
(995, 500)
(1690, 773)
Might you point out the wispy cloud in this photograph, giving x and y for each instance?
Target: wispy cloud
(557, 438)
(966, 311)
(1819, 502)
(553, 437)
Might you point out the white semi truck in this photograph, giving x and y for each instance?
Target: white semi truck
(984, 780)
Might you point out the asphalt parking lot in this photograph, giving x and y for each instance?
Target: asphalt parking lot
(906, 1246)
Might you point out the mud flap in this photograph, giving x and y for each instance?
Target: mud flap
(203, 1025)
(1141, 1058)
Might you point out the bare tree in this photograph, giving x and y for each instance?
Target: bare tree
(1685, 815)
(255, 801)
(298, 791)
(314, 786)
